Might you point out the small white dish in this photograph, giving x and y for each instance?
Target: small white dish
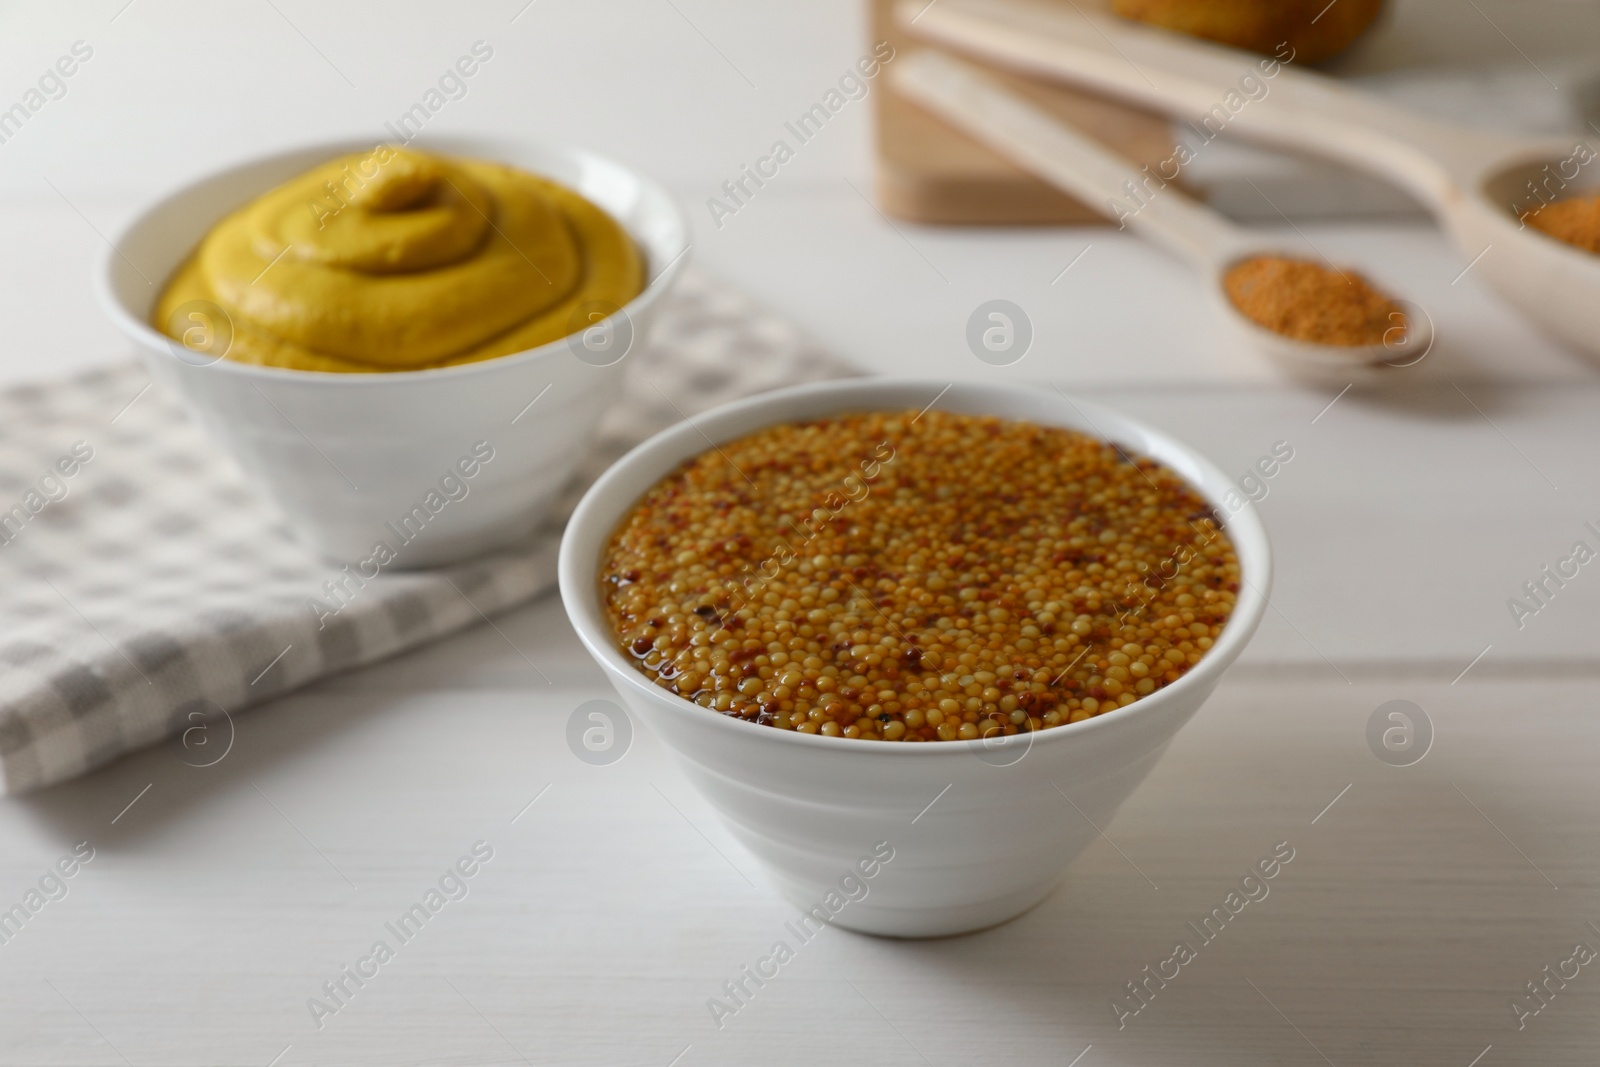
(349, 459)
(979, 833)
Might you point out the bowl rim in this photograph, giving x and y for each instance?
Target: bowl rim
(136, 328)
(592, 524)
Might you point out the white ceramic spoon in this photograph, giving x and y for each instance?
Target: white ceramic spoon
(1476, 184)
(978, 104)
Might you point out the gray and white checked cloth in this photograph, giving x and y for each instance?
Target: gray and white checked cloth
(144, 587)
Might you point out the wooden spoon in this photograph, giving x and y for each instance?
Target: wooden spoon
(1477, 185)
(1035, 140)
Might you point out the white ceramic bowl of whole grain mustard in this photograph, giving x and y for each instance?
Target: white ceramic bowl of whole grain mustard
(438, 464)
(930, 839)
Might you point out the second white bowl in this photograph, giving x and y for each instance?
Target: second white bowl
(354, 460)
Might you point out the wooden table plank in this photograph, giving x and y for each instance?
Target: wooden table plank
(1398, 933)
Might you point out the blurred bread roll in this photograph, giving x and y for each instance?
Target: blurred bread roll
(1315, 29)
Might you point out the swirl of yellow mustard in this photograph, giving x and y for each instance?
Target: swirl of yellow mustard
(397, 260)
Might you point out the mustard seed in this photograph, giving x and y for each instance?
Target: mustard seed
(910, 577)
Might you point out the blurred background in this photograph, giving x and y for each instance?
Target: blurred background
(690, 91)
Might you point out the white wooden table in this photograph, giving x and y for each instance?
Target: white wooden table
(1420, 901)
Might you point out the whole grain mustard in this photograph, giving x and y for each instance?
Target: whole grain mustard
(918, 577)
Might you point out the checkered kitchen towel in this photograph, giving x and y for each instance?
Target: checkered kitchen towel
(142, 580)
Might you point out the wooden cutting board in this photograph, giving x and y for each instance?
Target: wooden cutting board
(930, 172)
